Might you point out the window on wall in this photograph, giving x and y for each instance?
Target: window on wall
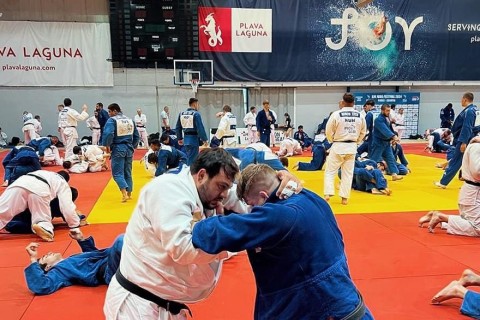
(281, 101)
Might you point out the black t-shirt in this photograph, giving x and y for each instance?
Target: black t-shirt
(288, 121)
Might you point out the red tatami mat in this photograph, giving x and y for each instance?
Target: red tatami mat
(396, 265)
(408, 298)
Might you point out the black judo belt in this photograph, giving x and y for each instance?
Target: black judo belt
(39, 178)
(171, 306)
(477, 184)
(358, 312)
(254, 154)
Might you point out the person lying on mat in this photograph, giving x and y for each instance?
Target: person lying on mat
(467, 222)
(295, 249)
(458, 289)
(91, 268)
(34, 191)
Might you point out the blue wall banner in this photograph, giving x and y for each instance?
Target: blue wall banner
(408, 101)
(341, 40)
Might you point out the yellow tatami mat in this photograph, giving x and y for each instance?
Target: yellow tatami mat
(415, 192)
(109, 208)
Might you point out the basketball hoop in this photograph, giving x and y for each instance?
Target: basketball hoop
(194, 84)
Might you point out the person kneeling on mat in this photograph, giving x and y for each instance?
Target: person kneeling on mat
(35, 191)
(467, 222)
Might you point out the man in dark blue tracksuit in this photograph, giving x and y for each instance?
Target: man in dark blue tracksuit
(264, 120)
(447, 115)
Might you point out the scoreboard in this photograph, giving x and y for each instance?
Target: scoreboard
(147, 31)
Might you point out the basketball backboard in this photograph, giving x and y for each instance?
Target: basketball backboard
(184, 71)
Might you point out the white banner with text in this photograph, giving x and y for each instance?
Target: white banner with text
(55, 54)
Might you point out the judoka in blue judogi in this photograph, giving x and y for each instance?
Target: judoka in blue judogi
(256, 153)
(399, 155)
(383, 134)
(447, 115)
(169, 138)
(190, 130)
(121, 136)
(18, 162)
(91, 268)
(366, 146)
(368, 178)
(42, 143)
(463, 131)
(319, 153)
(295, 248)
(169, 158)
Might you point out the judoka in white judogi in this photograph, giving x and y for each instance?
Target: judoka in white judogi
(227, 128)
(345, 129)
(94, 125)
(158, 253)
(68, 119)
(467, 222)
(141, 123)
(35, 191)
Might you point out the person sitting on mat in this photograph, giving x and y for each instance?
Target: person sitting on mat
(458, 289)
(91, 268)
(295, 249)
(467, 222)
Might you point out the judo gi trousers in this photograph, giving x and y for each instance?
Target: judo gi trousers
(454, 165)
(16, 200)
(345, 162)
